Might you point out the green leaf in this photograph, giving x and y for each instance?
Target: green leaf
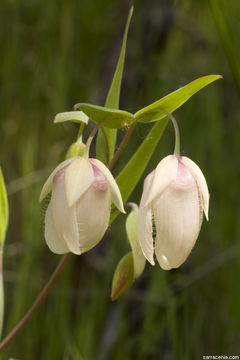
(3, 209)
(227, 37)
(132, 172)
(174, 100)
(112, 100)
(123, 276)
(111, 118)
(75, 116)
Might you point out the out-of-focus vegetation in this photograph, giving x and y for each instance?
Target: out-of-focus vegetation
(57, 53)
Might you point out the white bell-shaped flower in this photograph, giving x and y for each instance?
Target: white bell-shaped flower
(174, 197)
(78, 213)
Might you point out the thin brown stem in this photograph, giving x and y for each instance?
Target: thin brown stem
(122, 145)
(5, 342)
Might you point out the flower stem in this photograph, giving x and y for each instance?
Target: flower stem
(90, 138)
(122, 145)
(177, 135)
(176, 130)
(80, 132)
(6, 341)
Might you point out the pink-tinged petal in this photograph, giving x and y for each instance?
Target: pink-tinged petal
(78, 178)
(165, 173)
(201, 182)
(178, 218)
(54, 241)
(145, 222)
(47, 187)
(93, 212)
(115, 192)
(64, 217)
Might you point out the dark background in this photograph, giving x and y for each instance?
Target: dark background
(57, 53)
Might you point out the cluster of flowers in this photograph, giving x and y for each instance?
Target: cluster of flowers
(174, 197)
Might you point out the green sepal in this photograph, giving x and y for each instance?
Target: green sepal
(123, 276)
(76, 149)
(174, 100)
(110, 118)
(75, 116)
(4, 211)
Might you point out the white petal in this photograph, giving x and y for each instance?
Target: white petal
(54, 241)
(165, 173)
(115, 192)
(145, 222)
(139, 260)
(78, 178)
(93, 211)
(200, 179)
(178, 218)
(65, 218)
(47, 187)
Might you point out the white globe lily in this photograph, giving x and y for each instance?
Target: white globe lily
(174, 197)
(78, 213)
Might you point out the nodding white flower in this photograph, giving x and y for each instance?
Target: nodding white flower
(174, 197)
(78, 213)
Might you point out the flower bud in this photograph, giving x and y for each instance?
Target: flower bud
(131, 266)
(174, 197)
(78, 213)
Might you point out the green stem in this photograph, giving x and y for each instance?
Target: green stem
(176, 130)
(41, 297)
(80, 131)
(1, 294)
(122, 145)
(90, 138)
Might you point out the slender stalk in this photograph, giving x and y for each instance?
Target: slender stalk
(8, 339)
(122, 145)
(80, 131)
(1, 294)
(176, 130)
(90, 138)
(177, 135)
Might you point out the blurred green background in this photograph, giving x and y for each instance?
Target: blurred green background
(57, 53)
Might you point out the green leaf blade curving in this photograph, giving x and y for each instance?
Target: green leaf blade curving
(173, 101)
(107, 117)
(3, 210)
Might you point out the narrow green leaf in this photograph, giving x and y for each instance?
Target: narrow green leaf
(227, 36)
(132, 172)
(3, 209)
(110, 118)
(112, 100)
(174, 100)
(75, 116)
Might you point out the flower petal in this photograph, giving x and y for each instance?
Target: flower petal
(47, 187)
(201, 182)
(115, 192)
(178, 219)
(165, 173)
(139, 260)
(78, 178)
(64, 217)
(93, 211)
(145, 222)
(54, 241)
